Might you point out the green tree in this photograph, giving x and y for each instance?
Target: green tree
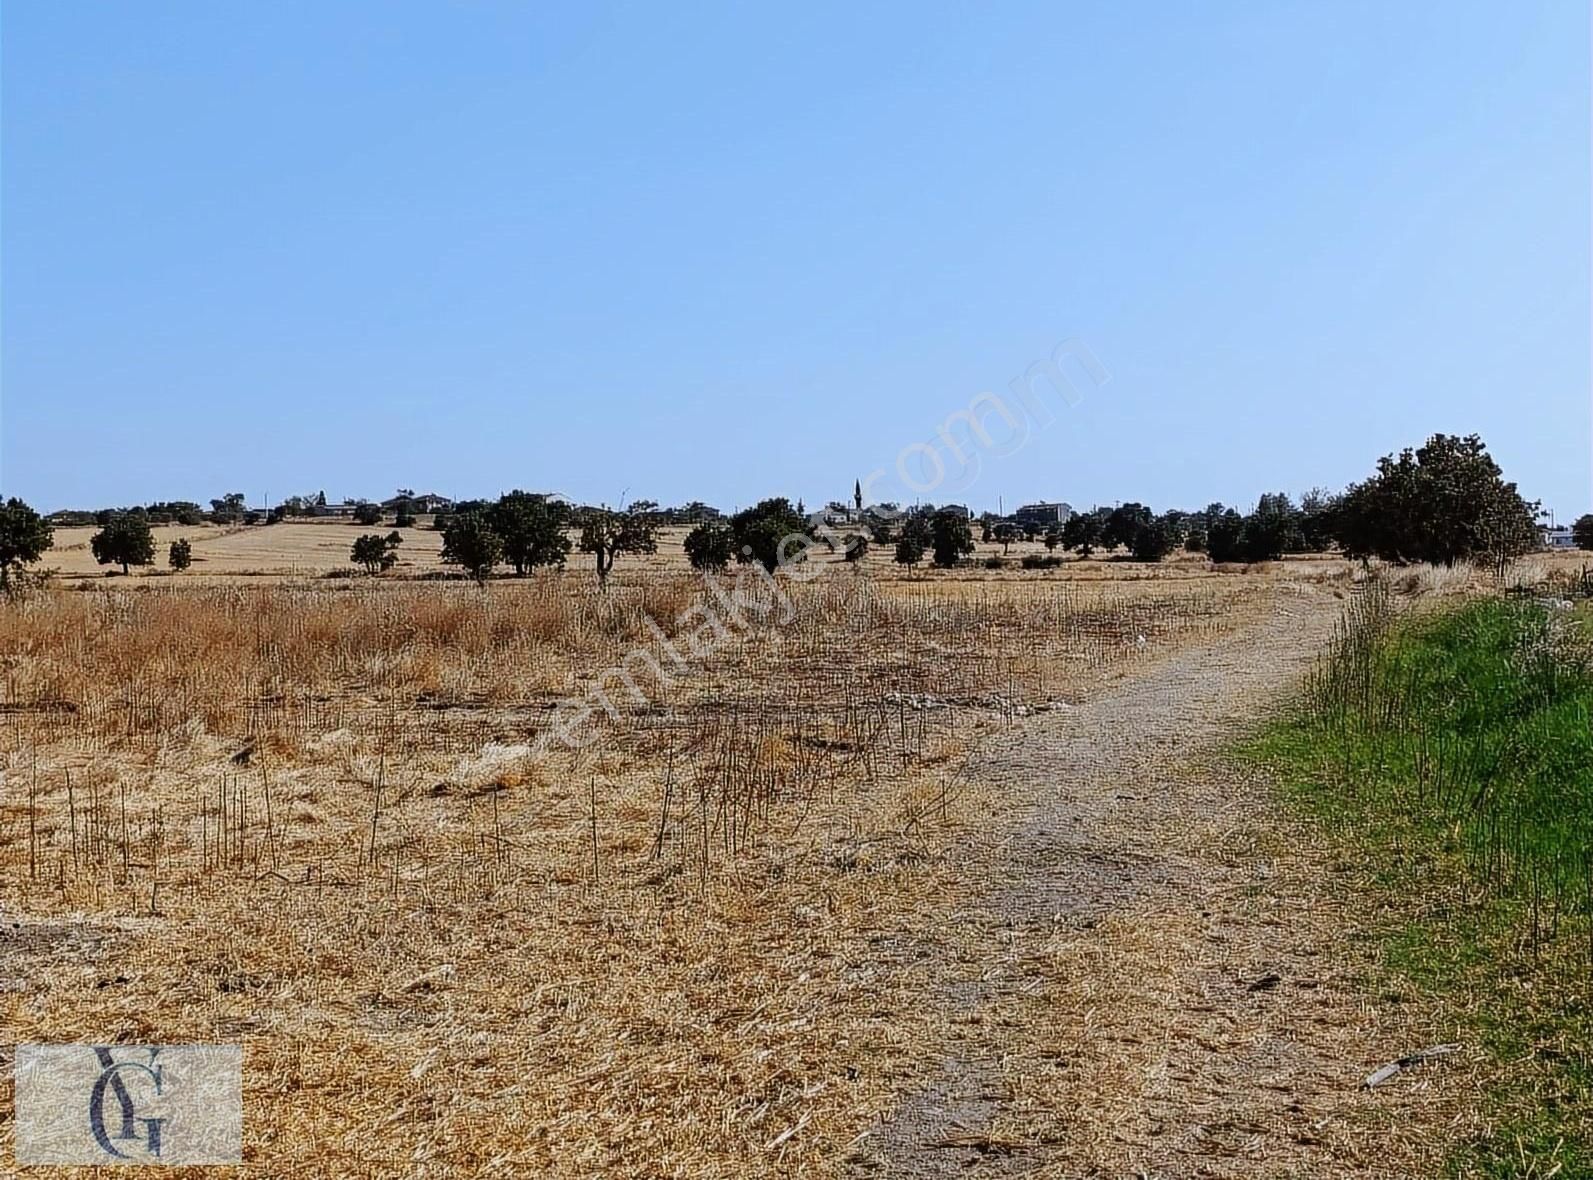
(125, 540)
(367, 513)
(25, 537)
(1445, 502)
(375, 552)
(710, 545)
(606, 534)
(910, 547)
(1272, 530)
(1582, 531)
(180, 555)
(1152, 540)
(532, 527)
(1122, 523)
(950, 537)
(1053, 538)
(1083, 532)
(1225, 537)
(1316, 520)
(470, 542)
(764, 533)
(854, 547)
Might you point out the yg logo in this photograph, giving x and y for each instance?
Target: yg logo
(113, 1083)
(129, 1104)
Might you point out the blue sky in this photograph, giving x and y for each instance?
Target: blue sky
(737, 251)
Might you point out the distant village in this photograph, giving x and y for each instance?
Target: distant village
(407, 504)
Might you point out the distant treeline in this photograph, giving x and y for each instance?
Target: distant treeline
(1444, 502)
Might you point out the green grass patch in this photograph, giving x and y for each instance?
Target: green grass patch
(1453, 755)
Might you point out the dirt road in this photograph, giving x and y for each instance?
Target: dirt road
(1161, 979)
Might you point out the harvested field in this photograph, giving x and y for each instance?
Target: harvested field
(741, 930)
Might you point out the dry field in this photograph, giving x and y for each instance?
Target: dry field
(751, 927)
(308, 549)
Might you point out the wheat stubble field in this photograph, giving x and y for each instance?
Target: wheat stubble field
(919, 877)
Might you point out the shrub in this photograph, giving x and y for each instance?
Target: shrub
(367, 513)
(1040, 561)
(375, 552)
(763, 533)
(710, 546)
(994, 562)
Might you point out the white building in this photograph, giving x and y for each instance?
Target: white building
(1558, 538)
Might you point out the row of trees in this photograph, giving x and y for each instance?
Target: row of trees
(1446, 502)
(529, 530)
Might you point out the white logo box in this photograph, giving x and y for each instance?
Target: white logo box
(157, 1105)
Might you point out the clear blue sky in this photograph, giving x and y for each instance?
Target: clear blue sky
(727, 251)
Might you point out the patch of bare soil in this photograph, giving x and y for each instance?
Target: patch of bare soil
(1163, 977)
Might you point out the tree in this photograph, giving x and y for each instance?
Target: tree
(764, 533)
(950, 537)
(367, 513)
(855, 547)
(1006, 534)
(532, 527)
(184, 512)
(470, 542)
(125, 540)
(229, 508)
(1122, 523)
(1225, 537)
(1582, 531)
(375, 552)
(1053, 537)
(607, 534)
(25, 537)
(1082, 531)
(1445, 502)
(180, 555)
(1272, 530)
(404, 519)
(1316, 520)
(1151, 540)
(910, 548)
(710, 546)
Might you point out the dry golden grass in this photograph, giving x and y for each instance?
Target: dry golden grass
(311, 816)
